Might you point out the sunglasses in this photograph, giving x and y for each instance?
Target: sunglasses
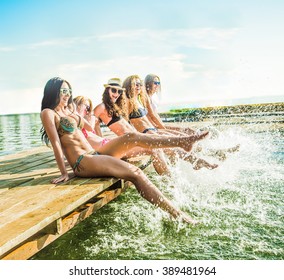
(156, 83)
(66, 91)
(87, 108)
(115, 90)
(138, 84)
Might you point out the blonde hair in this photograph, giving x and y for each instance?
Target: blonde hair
(79, 100)
(129, 85)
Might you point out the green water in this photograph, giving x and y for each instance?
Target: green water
(19, 132)
(240, 205)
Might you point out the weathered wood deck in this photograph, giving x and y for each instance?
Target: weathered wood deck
(34, 212)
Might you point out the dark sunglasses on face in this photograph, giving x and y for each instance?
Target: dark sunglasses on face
(138, 84)
(115, 90)
(156, 83)
(87, 108)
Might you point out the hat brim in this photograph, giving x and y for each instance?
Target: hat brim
(111, 86)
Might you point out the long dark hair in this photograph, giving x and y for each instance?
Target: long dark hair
(114, 109)
(51, 98)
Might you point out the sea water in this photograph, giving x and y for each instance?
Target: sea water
(239, 206)
(19, 132)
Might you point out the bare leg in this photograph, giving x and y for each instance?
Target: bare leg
(124, 147)
(158, 158)
(119, 145)
(196, 162)
(186, 130)
(92, 166)
(200, 162)
(222, 153)
(160, 163)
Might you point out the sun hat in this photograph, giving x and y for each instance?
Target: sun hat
(114, 82)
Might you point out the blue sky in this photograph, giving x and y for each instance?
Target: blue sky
(207, 52)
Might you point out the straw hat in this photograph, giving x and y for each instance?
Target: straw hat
(114, 82)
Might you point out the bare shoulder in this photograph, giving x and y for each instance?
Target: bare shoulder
(99, 109)
(147, 100)
(47, 115)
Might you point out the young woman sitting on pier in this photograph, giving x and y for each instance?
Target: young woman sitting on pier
(62, 128)
(113, 112)
(137, 113)
(152, 86)
(123, 146)
(85, 109)
(152, 83)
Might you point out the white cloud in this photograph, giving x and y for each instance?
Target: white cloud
(21, 101)
(207, 38)
(7, 49)
(194, 64)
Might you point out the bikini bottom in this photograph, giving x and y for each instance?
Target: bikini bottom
(150, 128)
(76, 166)
(104, 141)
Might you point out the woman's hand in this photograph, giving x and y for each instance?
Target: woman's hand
(62, 178)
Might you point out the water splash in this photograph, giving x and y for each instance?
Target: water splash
(239, 205)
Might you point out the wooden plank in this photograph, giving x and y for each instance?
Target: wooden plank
(42, 239)
(40, 164)
(28, 178)
(14, 233)
(25, 175)
(9, 161)
(13, 180)
(31, 206)
(36, 198)
(20, 193)
(37, 159)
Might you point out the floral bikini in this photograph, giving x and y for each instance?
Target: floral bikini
(68, 125)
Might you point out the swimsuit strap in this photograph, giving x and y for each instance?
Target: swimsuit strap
(139, 99)
(57, 113)
(76, 166)
(80, 118)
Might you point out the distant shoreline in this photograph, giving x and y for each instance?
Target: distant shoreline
(199, 113)
(233, 109)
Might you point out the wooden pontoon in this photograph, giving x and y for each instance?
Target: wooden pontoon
(34, 212)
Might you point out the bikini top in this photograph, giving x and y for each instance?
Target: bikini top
(114, 119)
(67, 125)
(138, 114)
(141, 112)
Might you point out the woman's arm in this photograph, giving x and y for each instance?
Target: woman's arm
(86, 124)
(101, 114)
(48, 122)
(95, 123)
(98, 127)
(153, 116)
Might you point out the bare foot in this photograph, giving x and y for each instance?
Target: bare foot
(234, 149)
(197, 149)
(199, 163)
(222, 154)
(194, 138)
(187, 219)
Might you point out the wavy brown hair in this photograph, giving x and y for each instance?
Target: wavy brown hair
(118, 108)
(129, 85)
